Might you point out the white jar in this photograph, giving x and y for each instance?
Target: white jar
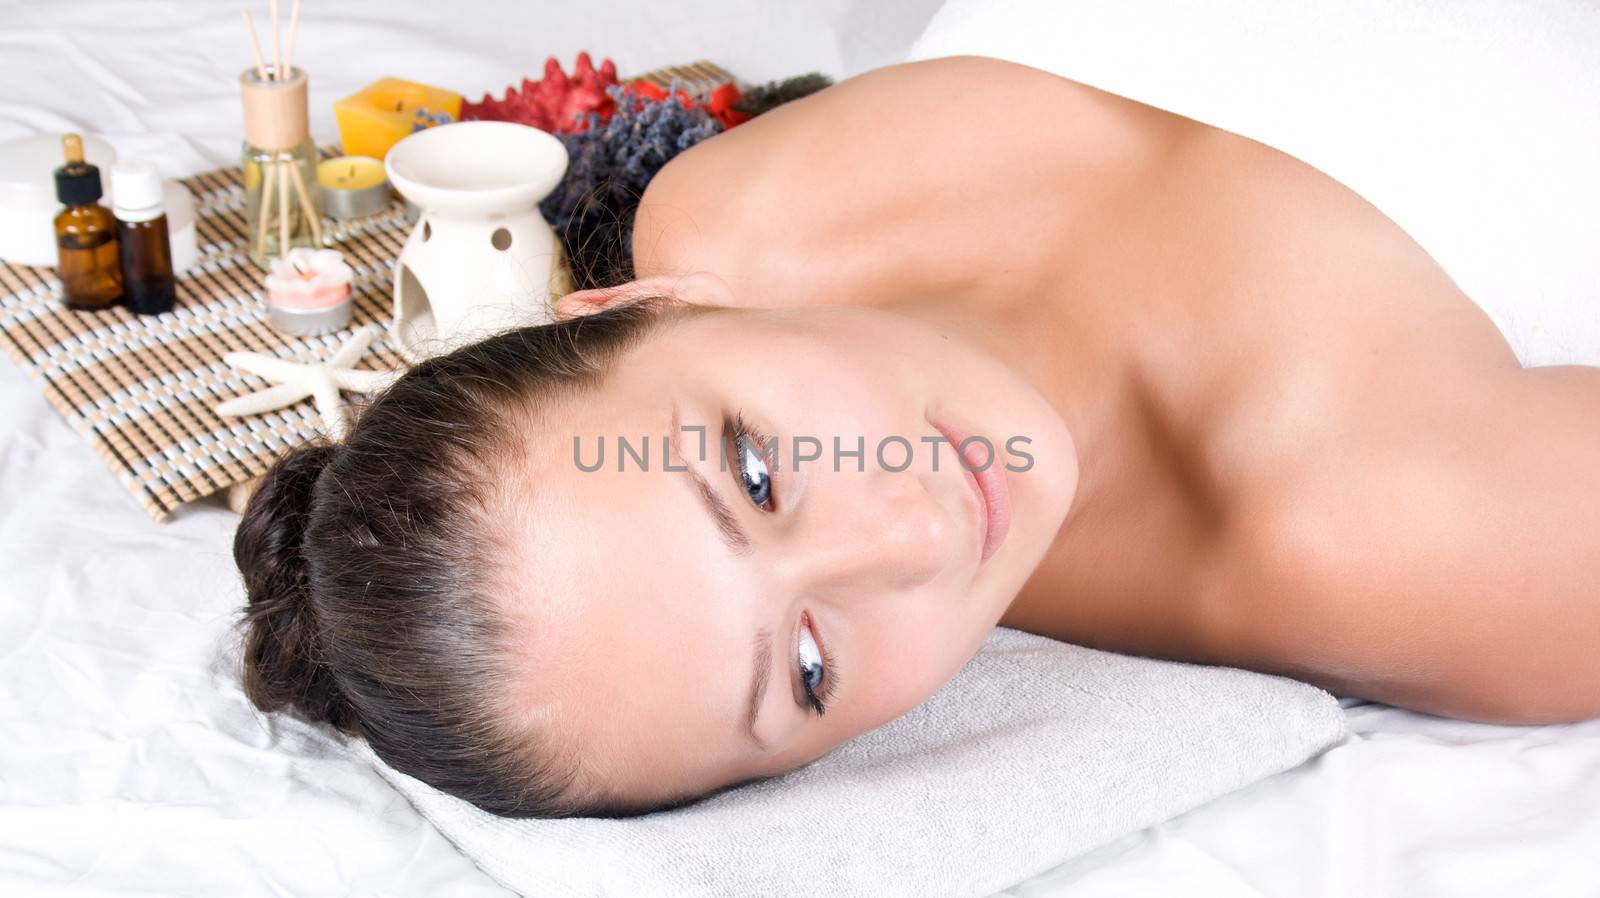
(28, 203)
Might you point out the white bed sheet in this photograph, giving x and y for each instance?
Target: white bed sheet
(130, 763)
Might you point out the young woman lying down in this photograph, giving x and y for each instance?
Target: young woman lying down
(901, 365)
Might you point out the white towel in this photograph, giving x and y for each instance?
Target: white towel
(1037, 751)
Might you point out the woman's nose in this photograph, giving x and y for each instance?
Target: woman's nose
(885, 531)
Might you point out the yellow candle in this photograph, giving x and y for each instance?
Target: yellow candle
(375, 119)
(353, 186)
(350, 173)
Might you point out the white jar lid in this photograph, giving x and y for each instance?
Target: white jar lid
(28, 166)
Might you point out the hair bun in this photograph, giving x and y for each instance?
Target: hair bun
(281, 662)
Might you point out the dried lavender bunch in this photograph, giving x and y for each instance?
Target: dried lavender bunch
(610, 164)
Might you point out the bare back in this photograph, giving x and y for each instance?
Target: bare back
(1237, 341)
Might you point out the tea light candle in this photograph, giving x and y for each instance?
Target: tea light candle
(308, 292)
(353, 186)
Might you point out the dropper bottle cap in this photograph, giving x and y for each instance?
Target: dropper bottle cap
(77, 182)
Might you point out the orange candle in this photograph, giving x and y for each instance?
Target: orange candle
(376, 118)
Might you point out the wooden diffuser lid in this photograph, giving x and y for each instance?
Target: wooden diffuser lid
(274, 111)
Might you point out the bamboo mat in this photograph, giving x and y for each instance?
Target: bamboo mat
(141, 388)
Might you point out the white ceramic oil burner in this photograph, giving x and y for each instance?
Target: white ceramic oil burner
(481, 259)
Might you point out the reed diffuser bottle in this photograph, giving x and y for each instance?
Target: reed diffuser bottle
(282, 204)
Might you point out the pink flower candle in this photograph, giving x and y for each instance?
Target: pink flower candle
(308, 292)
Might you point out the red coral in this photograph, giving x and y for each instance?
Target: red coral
(561, 104)
(557, 103)
(720, 104)
(652, 91)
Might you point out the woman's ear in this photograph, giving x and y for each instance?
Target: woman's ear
(586, 302)
(698, 288)
(702, 288)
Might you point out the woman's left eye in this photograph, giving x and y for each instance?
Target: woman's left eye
(753, 473)
(813, 669)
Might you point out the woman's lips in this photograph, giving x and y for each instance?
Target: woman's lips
(994, 499)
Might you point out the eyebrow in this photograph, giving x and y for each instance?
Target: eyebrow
(727, 525)
(758, 682)
(739, 542)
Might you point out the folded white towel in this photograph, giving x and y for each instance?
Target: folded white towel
(1035, 752)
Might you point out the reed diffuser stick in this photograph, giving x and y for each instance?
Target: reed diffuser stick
(267, 171)
(305, 203)
(250, 27)
(294, 23)
(277, 45)
(283, 206)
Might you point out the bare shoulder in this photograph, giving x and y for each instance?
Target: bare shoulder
(1436, 546)
(995, 101)
(895, 106)
(917, 156)
(956, 73)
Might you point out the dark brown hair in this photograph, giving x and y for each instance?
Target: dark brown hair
(368, 568)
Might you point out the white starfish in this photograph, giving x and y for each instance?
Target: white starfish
(322, 381)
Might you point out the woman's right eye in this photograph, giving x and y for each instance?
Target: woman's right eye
(753, 473)
(754, 476)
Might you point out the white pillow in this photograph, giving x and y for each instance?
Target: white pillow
(1036, 752)
(1474, 124)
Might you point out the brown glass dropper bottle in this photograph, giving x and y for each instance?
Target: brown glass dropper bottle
(86, 235)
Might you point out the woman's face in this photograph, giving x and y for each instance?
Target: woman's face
(742, 601)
